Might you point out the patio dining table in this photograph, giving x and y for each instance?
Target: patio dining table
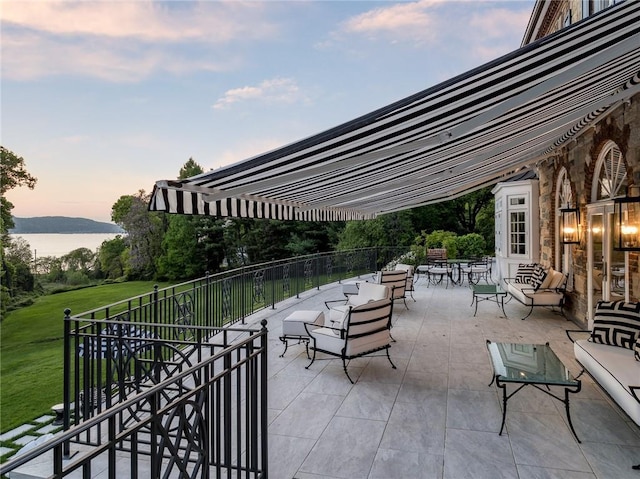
(453, 269)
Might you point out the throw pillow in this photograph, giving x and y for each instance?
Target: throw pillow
(525, 272)
(636, 349)
(539, 274)
(548, 279)
(616, 323)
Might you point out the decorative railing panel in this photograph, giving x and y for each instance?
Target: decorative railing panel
(194, 415)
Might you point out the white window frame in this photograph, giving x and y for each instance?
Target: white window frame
(521, 208)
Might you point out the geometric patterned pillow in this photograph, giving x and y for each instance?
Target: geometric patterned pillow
(539, 274)
(525, 272)
(616, 323)
(636, 349)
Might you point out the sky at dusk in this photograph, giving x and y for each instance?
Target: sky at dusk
(103, 98)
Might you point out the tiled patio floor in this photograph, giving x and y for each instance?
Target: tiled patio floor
(435, 415)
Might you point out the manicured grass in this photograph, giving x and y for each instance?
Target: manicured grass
(31, 349)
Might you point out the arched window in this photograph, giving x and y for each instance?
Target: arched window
(608, 266)
(610, 174)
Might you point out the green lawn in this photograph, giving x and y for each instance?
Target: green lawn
(31, 351)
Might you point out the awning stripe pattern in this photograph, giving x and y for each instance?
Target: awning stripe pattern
(466, 133)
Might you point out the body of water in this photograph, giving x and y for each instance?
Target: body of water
(48, 244)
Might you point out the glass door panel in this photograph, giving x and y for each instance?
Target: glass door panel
(607, 267)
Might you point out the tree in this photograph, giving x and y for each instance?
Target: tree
(192, 245)
(190, 168)
(80, 259)
(17, 264)
(180, 252)
(393, 229)
(468, 207)
(144, 233)
(110, 256)
(12, 175)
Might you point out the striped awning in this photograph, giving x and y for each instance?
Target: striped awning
(472, 131)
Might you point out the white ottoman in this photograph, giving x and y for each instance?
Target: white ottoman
(293, 326)
(350, 287)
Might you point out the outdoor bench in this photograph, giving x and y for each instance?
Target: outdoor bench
(611, 353)
(536, 286)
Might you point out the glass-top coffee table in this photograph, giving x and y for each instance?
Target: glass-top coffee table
(531, 365)
(488, 292)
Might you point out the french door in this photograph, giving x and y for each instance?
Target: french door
(608, 279)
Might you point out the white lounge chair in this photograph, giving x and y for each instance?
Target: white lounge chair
(363, 330)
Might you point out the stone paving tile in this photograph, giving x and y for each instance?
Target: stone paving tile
(15, 432)
(25, 439)
(48, 428)
(43, 419)
(5, 450)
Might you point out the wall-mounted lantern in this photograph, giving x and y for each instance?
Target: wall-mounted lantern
(570, 225)
(626, 218)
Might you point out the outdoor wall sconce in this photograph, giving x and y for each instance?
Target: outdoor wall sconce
(570, 225)
(626, 219)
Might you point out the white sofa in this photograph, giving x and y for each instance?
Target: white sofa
(613, 359)
(535, 285)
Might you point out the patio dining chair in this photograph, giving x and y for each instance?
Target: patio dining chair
(478, 269)
(438, 271)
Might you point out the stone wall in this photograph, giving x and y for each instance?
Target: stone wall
(579, 157)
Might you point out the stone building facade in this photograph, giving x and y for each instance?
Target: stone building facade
(598, 164)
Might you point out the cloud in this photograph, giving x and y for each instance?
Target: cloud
(126, 41)
(207, 22)
(276, 90)
(407, 21)
(436, 23)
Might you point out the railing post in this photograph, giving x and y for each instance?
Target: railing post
(272, 275)
(242, 293)
(264, 423)
(207, 300)
(66, 378)
(298, 278)
(157, 347)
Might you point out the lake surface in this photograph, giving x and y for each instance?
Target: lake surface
(48, 244)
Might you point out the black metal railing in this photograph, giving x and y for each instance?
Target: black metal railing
(201, 413)
(115, 354)
(102, 347)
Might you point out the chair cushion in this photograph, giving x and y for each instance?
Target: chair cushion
(538, 277)
(405, 267)
(369, 292)
(616, 323)
(615, 370)
(557, 280)
(525, 272)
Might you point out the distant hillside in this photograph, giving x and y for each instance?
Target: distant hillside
(61, 224)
